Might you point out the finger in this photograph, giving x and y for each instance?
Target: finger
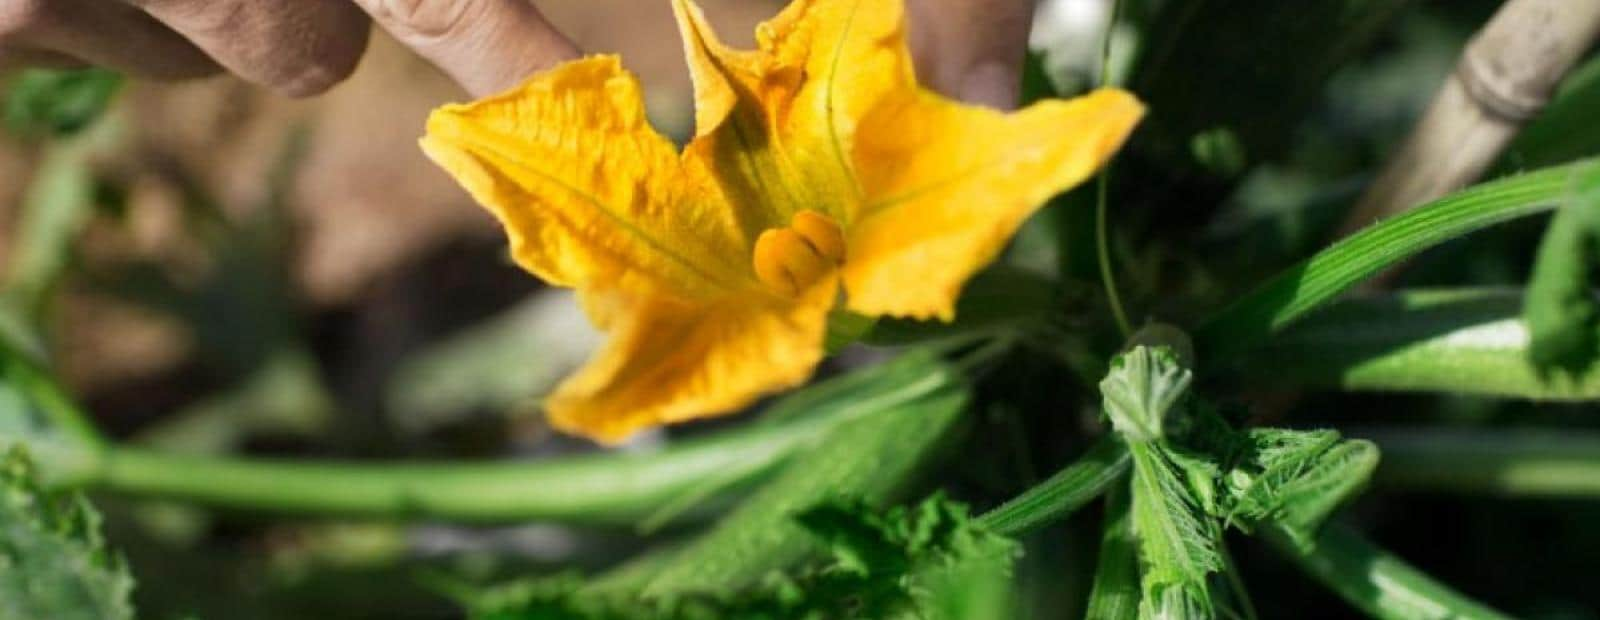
(485, 45)
(971, 49)
(24, 58)
(57, 32)
(297, 47)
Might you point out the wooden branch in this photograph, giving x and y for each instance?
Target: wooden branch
(1504, 78)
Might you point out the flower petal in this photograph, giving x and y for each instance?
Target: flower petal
(855, 54)
(775, 124)
(590, 195)
(670, 361)
(948, 184)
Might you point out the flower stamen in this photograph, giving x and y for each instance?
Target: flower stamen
(789, 260)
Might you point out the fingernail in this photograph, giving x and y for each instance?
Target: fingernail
(993, 84)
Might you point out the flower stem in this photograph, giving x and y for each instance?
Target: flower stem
(1107, 279)
(1102, 247)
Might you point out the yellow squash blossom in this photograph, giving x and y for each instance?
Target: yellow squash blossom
(817, 162)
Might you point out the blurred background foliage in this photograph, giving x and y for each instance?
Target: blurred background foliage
(212, 270)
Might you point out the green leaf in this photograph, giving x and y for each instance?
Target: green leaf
(53, 561)
(1295, 479)
(1465, 341)
(1142, 387)
(1177, 540)
(35, 412)
(928, 561)
(1565, 130)
(859, 543)
(846, 328)
(933, 558)
(1560, 309)
(43, 101)
(1197, 474)
(1307, 495)
(1293, 294)
(871, 457)
(1501, 462)
(974, 584)
(1375, 581)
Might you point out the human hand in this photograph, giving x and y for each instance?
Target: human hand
(297, 47)
(968, 49)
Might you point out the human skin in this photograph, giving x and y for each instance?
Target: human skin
(968, 49)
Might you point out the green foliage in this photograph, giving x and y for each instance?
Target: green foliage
(799, 493)
(1177, 544)
(871, 458)
(1463, 341)
(1209, 66)
(1198, 475)
(932, 558)
(1565, 130)
(1295, 479)
(845, 328)
(1297, 291)
(926, 561)
(1376, 582)
(1142, 388)
(1551, 463)
(743, 567)
(35, 413)
(49, 102)
(1219, 151)
(1560, 308)
(53, 561)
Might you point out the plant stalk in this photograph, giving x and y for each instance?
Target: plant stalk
(1064, 493)
(1504, 78)
(603, 488)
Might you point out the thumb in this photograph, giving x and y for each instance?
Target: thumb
(486, 46)
(971, 49)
